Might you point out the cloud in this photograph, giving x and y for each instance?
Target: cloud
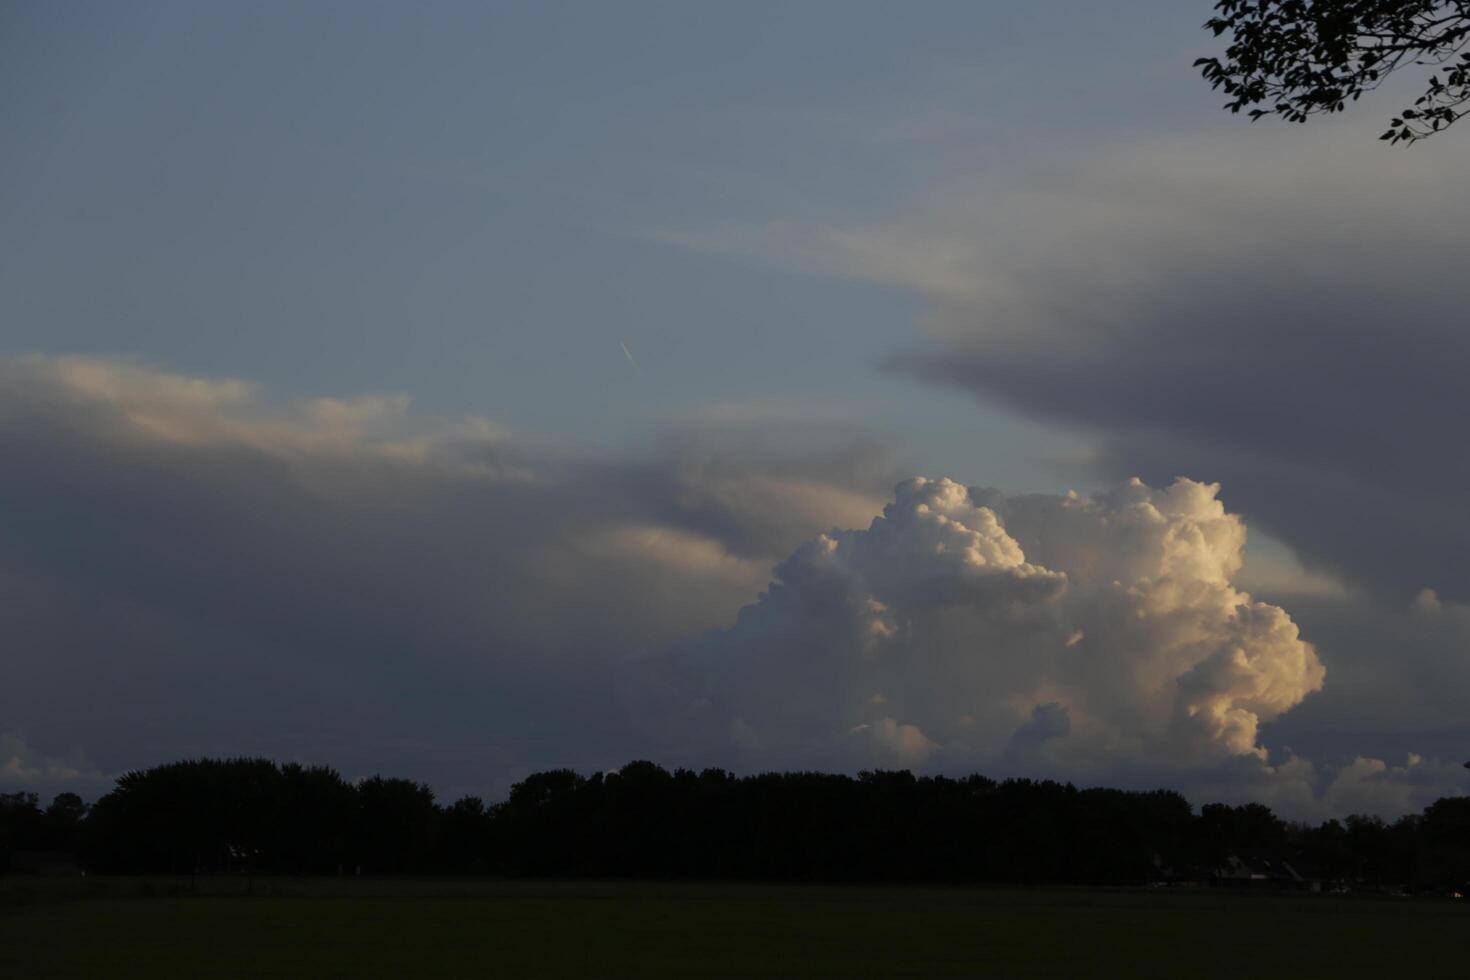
(1299, 789)
(25, 769)
(1276, 311)
(1047, 721)
(1102, 639)
(964, 627)
(1400, 679)
(1374, 786)
(190, 565)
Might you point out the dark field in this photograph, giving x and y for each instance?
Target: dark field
(112, 927)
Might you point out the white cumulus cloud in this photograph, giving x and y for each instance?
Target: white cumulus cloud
(1070, 630)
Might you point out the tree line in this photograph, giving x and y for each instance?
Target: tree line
(642, 821)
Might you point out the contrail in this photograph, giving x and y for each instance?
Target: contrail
(630, 357)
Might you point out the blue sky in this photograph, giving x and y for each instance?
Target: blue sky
(474, 206)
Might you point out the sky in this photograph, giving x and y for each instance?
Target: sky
(460, 390)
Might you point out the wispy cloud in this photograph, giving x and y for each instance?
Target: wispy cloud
(629, 356)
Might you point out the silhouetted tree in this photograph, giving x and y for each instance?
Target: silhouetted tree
(1443, 851)
(61, 824)
(318, 820)
(20, 825)
(642, 821)
(195, 815)
(396, 826)
(1299, 58)
(465, 836)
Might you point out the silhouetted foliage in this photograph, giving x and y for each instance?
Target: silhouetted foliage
(20, 825)
(1299, 58)
(61, 824)
(1442, 854)
(642, 821)
(396, 826)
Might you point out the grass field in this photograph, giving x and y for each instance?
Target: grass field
(106, 928)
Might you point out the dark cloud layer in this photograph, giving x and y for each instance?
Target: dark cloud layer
(1400, 679)
(189, 567)
(1281, 312)
(1298, 337)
